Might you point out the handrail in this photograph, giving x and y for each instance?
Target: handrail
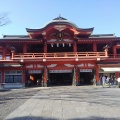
(59, 55)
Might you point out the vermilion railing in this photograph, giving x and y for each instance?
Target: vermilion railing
(58, 55)
(114, 56)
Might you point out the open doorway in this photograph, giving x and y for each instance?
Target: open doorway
(60, 79)
(86, 78)
(35, 79)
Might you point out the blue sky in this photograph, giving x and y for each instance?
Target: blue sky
(103, 15)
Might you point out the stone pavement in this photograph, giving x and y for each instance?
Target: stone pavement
(71, 103)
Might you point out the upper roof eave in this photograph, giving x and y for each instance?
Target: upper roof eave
(59, 22)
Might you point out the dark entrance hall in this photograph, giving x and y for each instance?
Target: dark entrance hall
(60, 79)
(86, 78)
(36, 79)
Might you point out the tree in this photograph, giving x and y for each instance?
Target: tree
(4, 19)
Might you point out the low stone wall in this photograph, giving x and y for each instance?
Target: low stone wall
(12, 85)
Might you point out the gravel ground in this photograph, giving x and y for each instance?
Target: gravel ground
(12, 99)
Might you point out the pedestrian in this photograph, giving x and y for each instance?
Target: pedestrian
(29, 83)
(118, 80)
(110, 81)
(103, 81)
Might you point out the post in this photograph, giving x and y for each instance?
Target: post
(74, 47)
(45, 47)
(45, 77)
(13, 53)
(25, 48)
(74, 77)
(106, 52)
(4, 53)
(114, 51)
(23, 78)
(97, 74)
(77, 77)
(94, 47)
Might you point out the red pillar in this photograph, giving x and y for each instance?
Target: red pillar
(114, 51)
(94, 47)
(97, 74)
(4, 53)
(116, 74)
(74, 47)
(2, 81)
(45, 47)
(25, 48)
(77, 76)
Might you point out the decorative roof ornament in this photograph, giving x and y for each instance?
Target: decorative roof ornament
(60, 18)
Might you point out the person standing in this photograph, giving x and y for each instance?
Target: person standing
(118, 80)
(103, 80)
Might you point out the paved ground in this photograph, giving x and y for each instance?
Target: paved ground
(12, 99)
(70, 103)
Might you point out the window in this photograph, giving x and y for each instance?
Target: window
(13, 76)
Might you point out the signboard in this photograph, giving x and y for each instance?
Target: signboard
(34, 71)
(85, 70)
(60, 71)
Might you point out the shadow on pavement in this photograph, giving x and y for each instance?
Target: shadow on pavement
(5, 90)
(44, 118)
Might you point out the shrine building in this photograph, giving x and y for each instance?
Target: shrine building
(58, 54)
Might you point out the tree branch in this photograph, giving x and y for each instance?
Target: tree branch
(4, 19)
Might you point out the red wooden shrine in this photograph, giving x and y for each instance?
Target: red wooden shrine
(60, 53)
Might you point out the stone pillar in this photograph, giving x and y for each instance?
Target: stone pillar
(23, 78)
(45, 77)
(74, 77)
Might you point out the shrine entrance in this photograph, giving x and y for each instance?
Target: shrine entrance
(60, 77)
(86, 76)
(35, 77)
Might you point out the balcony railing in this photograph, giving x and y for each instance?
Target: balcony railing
(62, 55)
(59, 55)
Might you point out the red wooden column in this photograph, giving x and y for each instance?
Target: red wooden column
(23, 77)
(4, 53)
(74, 47)
(45, 77)
(13, 53)
(2, 81)
(25, 48)
(97, 74)
(45, 47)
(116, 74)
(114, 51)
(77, 76)
(94, 47)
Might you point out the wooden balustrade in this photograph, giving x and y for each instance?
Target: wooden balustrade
(27, 56)
(59, 55)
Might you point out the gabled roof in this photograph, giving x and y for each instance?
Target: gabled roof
(16, 36)
(60, 21)
(102, 35)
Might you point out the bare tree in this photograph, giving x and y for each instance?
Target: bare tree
(4, 19)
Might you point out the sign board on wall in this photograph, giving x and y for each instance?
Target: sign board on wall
(60, 71)
(34, 71)
(85, 70)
